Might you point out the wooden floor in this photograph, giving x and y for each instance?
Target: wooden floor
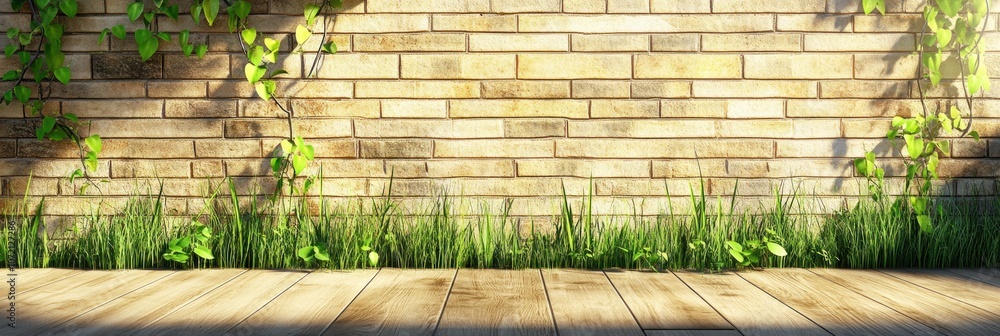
(505, 302)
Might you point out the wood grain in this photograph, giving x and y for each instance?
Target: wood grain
(397, 302)
(692, 333)
(585, 303)
(146, 305)
(836, 308)
(497, 302)
(958, 287)
(47, 307)
(662, 301)
(986, 275)
(224, 307)
(307, 307)
(750, 310)
(940, 312)
(33, 278)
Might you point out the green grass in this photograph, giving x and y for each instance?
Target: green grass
(267, 235)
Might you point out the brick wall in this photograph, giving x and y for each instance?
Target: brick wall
(498, 98)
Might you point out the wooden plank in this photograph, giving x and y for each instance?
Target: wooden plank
(497, 302)
(397, 302)
(662, 301)
(224, 307)
(836, 308)
(33, 278)
(940, 312)
(692, 333)
(960, 288)
(146, 305)
(47, 307)
(750, 310)
(307, 307)
(585, 303)
(987, 275)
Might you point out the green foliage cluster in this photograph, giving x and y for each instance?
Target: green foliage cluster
(953, 30)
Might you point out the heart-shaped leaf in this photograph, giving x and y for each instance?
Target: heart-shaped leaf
(69, 7)
(302, 34)
(249, 35)
(134, 10)
(63, 75)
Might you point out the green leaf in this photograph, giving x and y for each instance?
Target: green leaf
(118, 31)
(48, 14)
(254, 73)
(134, 10)
(310, 12)
(914, 146)
(306, 253)
(201, 50)
(172, 12)
(776, 249)
(249, 35)
(183, 37)
(22, 93)
(734, 246)
(240, 9)
(211, 8)
(265, 89)
(736, 255)
(950, 8)
(308, 151)
(276, 164)
(925, 224)
(91, 161)
(302, 34)
(204, 252)
(272, 44)
(299, 142)
(11, 75)
(69, 7)
(975, 135)
(196, 13)
(94, 143)
(299, 163)
(148, 46)
(330, 48)
(324, 257)
(63, 75)
(9, 50)
(287, 147)
(71, 117)
(373, 258)
(256, 56)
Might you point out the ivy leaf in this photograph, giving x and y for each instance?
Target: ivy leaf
(203, 252)
(272, 44)
(925, 224)
(48, 14)
(240, 9)
(249, 35)
(330, 48)
(63, 75)
(306, 253)
(94, 143)
(256, 56)
(949, 7)
(172, 12)
(201, 50)
(69, 7)
(944, 37)
(147, 43)
(134, 10)
(187, 49)
(287, 147)
(302, 34)
(254, 73)
(9, 50)
(299, 163)
(309, 151)
(196, 13)
(324, 257)
(265, 89)
(23, 93)
(91, 161)
(118, 31)
(211, 8)
(276, 164)
(871, 5)
(975, 135)
(10, 75)
(311, 11)
(914, 145)
(373, 258)
(71, 117)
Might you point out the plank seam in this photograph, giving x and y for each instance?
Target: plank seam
(552, 314)
(105, 303)
(708, 303)
(352, 302)
(939, 293)
(969, 277)
(786, 305)
(181, 306)
(445, 303)
(78, 272)
(630, 312)
(266, 303)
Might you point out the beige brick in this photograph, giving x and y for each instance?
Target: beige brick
(816, 128)
(37, 168)
(396, 148)
(316, 128)
(134, 108)
(147, 149)
(100, 89)
(414, 109)
(867, 128)
(585, 6)
(357, 66)
(178, 89)
(754, 89)
(718, 23)
(762, 6)
(693, 108)
(676, 42)
(467, 168)
(259, 108)
(865, 89)
(799, 66)
(661, 89)
(519, 108)
(493, 148)
(328, 148)
(11, 111)
(645, 128)
(208, 168)
(407, 42)
(325, 108)
(829, 148)
(8, 148)
(601, 89)
(888, 23)
(671, 148)
(616, 42)
(183, 67)
(898, 66)
(452, 129)
(573, 66)
(628, 6)
(968, 148)
(624, 109)
(418, 89)
(441, 6)
(165, 128)
(755, 109)
(815, 23)
(527, 6)
(518, 42)
(687, 6)
(379, 23)
(825, 108)
(227, 148)
(290, 89)
(534, 128)
(860, 42)
(462, 66)
(526, 89)
(476, 23)
(751, 42)
(840, 6)
(755, 129)
(200, 108)
(585, 169)
(688, 66)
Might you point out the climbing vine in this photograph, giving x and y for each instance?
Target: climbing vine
(952, 32)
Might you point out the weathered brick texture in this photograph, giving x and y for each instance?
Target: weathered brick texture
(507, 98)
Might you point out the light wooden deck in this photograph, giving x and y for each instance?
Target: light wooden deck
(508, 302)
